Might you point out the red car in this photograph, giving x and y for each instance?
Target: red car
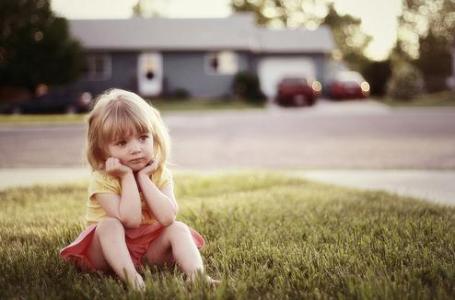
(297, 91)
(348, 85)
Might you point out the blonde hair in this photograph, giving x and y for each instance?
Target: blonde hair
(118, 113)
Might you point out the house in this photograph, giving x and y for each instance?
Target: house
(158, 56)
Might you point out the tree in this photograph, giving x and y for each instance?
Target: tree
(435, 61)
(349, 37)
(406, 82)
(425, 35)
(148, 8)
(35, 46)
(284, 13)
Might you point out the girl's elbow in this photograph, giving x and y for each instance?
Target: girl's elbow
(167, 220)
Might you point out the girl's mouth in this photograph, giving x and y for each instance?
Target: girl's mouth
(136, 161)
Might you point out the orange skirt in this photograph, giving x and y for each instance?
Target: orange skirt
(138, 241)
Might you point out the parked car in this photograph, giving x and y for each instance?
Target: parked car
(348, 85)
(55, 101)
(297, 91)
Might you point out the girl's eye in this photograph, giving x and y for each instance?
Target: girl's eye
(121, 143)
(143, 137)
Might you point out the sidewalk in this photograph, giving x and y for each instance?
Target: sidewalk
(432, 185)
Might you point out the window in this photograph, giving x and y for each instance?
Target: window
(98, 67)
(219, 63)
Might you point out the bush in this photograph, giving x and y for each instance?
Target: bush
(406, 82)
(181, 94)
(246, 87)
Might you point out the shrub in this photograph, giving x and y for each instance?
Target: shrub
(181, 94)
(246, 87)
(406, 82)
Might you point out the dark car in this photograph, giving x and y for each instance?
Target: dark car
(348, 85)
(297, 91)
(55, 101)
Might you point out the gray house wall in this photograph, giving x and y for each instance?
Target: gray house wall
(189, 71)
(181, 70)
(123, 74)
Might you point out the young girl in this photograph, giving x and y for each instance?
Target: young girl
(131, 208)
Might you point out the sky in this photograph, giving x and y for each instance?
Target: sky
(379, 17)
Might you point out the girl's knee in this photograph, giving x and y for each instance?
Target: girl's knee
(110, 225)
(180, 227)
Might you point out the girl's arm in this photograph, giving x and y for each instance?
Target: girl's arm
(127, 206)
(161, 203)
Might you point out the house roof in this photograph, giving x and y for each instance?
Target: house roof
(237, 32)
(295, 40)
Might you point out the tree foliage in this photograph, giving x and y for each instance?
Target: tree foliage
(406, 82)
(35, 46)
(284, 13)
(349, 37)
(435, 61)
(148, 8)
(426, 33)
(420, 17)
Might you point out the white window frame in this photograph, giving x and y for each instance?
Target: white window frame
(210, 71)
(91, 73)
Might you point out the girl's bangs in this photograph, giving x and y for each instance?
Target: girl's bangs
(122, 123)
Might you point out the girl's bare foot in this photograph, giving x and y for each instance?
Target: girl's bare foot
(198, 276)
(211, 281)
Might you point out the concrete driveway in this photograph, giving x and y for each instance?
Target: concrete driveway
(352, 136)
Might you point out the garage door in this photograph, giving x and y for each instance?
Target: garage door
(272, 69)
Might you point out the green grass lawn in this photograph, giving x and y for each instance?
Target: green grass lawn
(269, 236)
(166, 105)
(57, 118)
(162, 105)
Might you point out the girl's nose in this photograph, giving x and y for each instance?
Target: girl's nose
(135, 147)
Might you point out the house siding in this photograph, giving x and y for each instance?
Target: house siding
(123, 74)
(181, 70)
(188, 70)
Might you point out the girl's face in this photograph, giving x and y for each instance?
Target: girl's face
(134, 151)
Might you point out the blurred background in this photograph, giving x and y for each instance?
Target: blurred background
(295, 85)
(289, 52)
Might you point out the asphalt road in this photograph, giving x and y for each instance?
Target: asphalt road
(359, 135)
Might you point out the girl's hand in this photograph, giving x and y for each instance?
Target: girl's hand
(149, 169)
(115, 168)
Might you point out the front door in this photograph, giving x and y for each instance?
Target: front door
(150, 73)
